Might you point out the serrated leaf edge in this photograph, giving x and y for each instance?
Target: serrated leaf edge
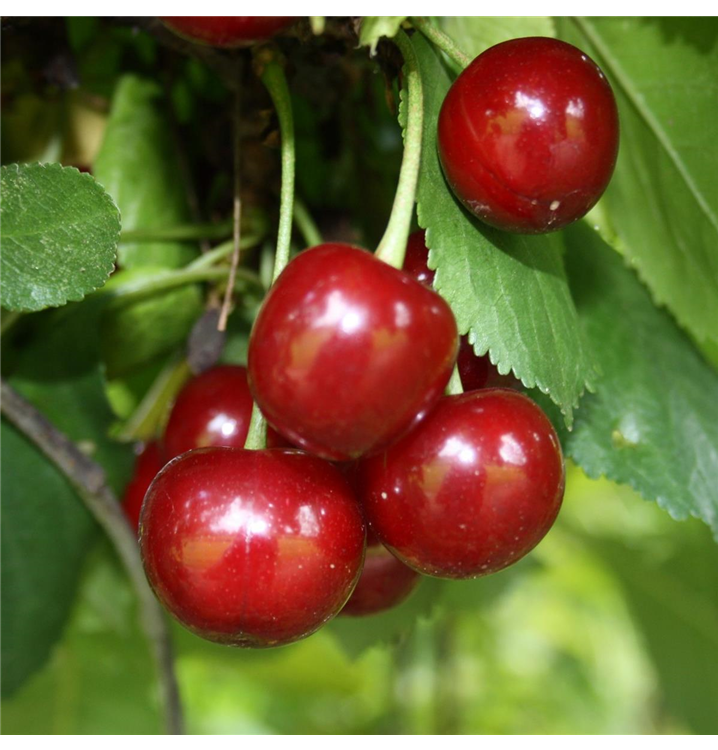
(55, 166)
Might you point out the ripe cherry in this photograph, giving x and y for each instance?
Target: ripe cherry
(348, 353)
(528, 135)
(251, 548)
(475, 372)
(385, 582)
(147, 465)
(227, 31)
(471, 490)
(213, 409)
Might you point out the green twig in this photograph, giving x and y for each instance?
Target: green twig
(213, 256)
(393, 244)
(305, 224)
(129, 291)
(441, 40)
(216, 231)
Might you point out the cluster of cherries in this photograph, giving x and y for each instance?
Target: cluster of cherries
(373, 476)
(348, 360)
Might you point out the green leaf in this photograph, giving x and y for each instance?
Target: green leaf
(508, 291)
(373, 28)
(653, 422)
(139, 165)
(100, 679)
(663, 199)
(46, 528)
(59, 236)
(139, 331)
(475, 34)
(45, 535)
(673, 598)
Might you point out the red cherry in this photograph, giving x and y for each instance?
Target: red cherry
(348, 353)
(227, 31)
(528, 135)
(474, 371)
(385, 582)
(147, 465)
(416, 259)
(213, 409)
(275, 440)
(471, 490)
(251, 548)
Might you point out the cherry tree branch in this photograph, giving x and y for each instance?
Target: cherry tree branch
(88, 479)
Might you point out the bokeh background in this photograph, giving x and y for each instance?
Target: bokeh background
(610, 626)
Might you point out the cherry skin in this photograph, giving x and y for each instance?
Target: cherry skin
(251, 548)
(528, 135)
(227, 31)
(147, 465)
(348, 353)
(213, 409)
(475, 372)
(471, 490)
(385, 582)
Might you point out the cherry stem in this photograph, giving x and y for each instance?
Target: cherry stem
(271, 73)
(88, 480)
(392, 247)
(306, 225)
(454, 387)
(317, 23)
(257, 431)
(237, 215)
(441, 40)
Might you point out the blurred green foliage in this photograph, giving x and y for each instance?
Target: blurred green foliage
(575, 639)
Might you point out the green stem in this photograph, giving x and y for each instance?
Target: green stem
(454, 388)
(306, 225)
(441, 40)
(123, 293)
(147, 419)
(272, 75)
(216, 231)
(257, 432)
(220, 252)
(317, 23)
(393, 244)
